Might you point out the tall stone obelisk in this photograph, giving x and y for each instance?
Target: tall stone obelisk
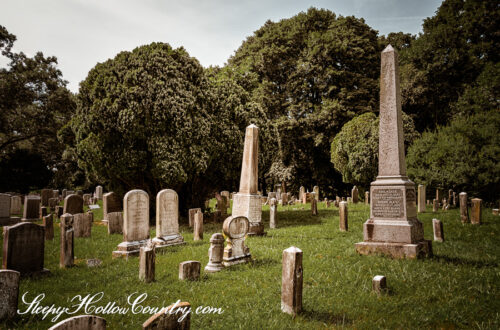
(393, 228)
(247, 202)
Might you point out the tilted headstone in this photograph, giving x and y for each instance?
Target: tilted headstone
(437, 227)
(189, 270)
(464, 209)
(110, 203)
(147, 256)
(169, 319)
(45, 195)
(198, 226)
(343, 216)
(23, 248)
(9, 293)
(291, 281)
(73, 204)
(355, 195)
(135, 223)
(192, 212)
(98, 192)
(115, 223)
(475, 211)
(273, 207)
(215, 254)
(67, 251)
(421, 198)
(48, 224)
(236, 228)
(15, 205)
(81, 322)
(393, 209)
(82, 224)
(167, 219)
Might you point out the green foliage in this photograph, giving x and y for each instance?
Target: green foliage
(354, 151)
(310, 73)
(34, 105)
(464, 156)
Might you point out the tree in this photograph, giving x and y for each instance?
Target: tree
(464, 156)
(310, 73)
(34, 105)
(354, 151)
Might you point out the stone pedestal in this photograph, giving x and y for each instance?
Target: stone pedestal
(236, 252)
(215, 254)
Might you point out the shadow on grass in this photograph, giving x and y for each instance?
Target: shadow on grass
(461, 261)
(326, 317)
(264, 262)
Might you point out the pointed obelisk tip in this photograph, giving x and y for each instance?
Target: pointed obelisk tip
(388, 49)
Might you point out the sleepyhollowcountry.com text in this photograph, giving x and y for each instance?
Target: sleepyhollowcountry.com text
(88, 305)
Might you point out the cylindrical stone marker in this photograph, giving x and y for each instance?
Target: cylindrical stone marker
(189, 270)
(314, 206)
(343, 223)
(475, 216)
(435, 205)
(437, 225)
(215, 254)
(48, 223)
(464, 210)
(147, 264)
(273, 212)
(198, 226)
(291, 281)
(67, 255)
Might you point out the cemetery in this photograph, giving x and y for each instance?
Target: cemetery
(194, 201)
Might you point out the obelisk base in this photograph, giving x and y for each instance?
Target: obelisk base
(249, 206)
(396, 250)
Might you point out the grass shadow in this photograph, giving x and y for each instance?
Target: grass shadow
(460, 261)
(326, 317)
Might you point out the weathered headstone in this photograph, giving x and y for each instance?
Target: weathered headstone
(343, 217)
(9, 293)
(135, 223)
(355, 195)
(81, 322)
(316, 192)
(314, 206)
(437, 227)
(15, 205)
(379, 284)
(115, 223)
(236, 228)
(435, 205)
(215, 254)
(284, 199)
(48, 223)
(221, 204)
(225, 195)
(45, 195)
(167, 219)
(5, 206)
(464, 209)
(174, 317)
(291, 281)
(31, 208)
(147, 258)
(110, 203)
(53, 202)
(273, 206)
(23, 248)
(198, 226)
(82, 224)
(192, 212)
(301, 192)
(421, 198)
(189, 270)
(475, 211)
(393, 228)
(73, 204)
(367, 197)
(67, 252)
(98, 192)
(86, 199)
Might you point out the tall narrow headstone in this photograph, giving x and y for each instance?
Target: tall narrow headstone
(81, 322)
(45, 195)
(31, 208)
(437, 227)
(110, 203)
(236, 252)
(291, 281)
(135, 223)
(355, 195)
(464, 209)
(48, 223)
(5, 201)
(215, 254)
(192, 212)
(435, 205)
(9, 293)
(450, 196)
(421, 198)
(73, 204)
(393, 228)
(23, 248)
(198, 226)
(67, 251)
(147, 256)
(475, 211)
(98, 192)
(247, 202)
(301, 193)
(15, 205)
(439, 194)
(314, 206)
(316, 192)
(343, 217)
(167, 219)
(273, 206)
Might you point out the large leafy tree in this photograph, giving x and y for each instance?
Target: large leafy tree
(34, 105)
(311, 74)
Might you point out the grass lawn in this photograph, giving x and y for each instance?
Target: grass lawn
(458, 287)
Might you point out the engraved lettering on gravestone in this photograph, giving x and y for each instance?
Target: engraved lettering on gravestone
(388, 203)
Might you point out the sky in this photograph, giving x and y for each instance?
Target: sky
(81, 33)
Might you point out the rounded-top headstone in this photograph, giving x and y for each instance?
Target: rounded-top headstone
(236, 227)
